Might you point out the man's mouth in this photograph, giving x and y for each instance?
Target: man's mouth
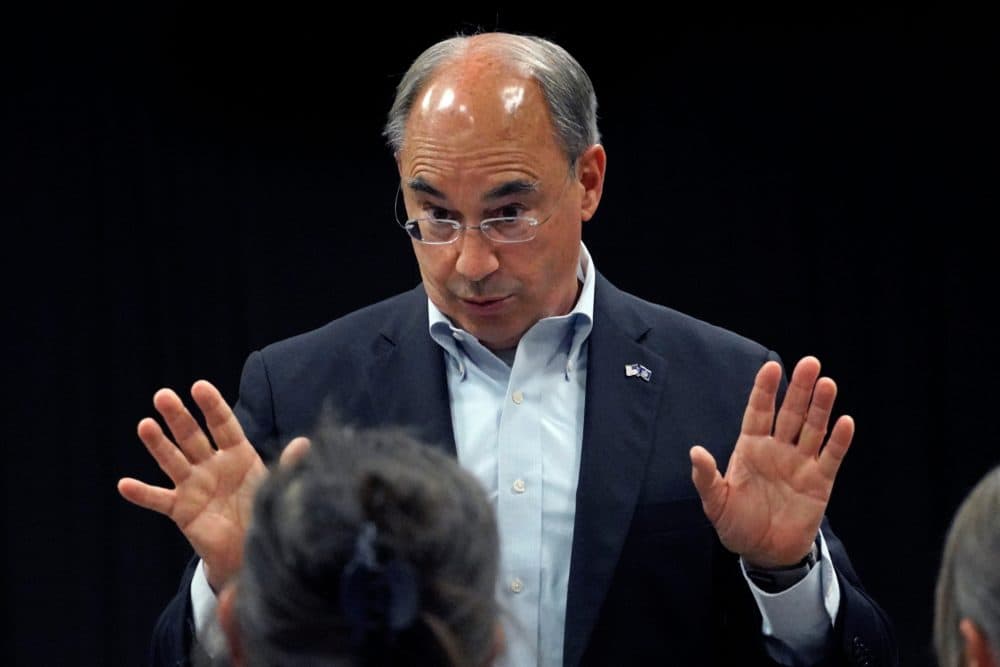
(485, 305)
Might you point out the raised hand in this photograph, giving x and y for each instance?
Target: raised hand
(771, 501)
(213, 486)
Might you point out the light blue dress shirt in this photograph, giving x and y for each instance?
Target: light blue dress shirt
(519, 430)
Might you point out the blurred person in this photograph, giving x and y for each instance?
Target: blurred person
(967, 610)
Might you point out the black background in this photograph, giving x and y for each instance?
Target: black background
(182, 185)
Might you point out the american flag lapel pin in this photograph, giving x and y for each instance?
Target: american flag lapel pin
(638, 370)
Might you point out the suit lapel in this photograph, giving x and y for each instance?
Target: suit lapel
(407, 382)
(617, 435)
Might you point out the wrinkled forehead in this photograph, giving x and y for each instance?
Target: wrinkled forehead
(476, 105)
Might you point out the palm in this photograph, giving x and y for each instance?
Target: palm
(213, 488)
(212, 506)
(769, 505)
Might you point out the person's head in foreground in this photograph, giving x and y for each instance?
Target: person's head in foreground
(967, 614)
(372, 549)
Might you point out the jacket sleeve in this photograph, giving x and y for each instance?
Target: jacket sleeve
(862, 634)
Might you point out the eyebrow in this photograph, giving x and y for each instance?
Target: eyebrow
(515, 187)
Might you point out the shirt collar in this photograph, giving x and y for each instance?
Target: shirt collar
(580, 319)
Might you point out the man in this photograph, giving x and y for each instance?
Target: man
(575, 404)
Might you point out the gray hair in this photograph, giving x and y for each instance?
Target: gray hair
(567, 89)
(969, 581)
(416, 506)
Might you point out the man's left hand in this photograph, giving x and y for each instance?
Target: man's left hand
(769, 505)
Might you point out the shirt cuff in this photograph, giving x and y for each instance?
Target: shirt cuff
(207, 631)
(802, 616)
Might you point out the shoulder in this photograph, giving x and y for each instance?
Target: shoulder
(286, 385)
(673, 333)
(357, 332)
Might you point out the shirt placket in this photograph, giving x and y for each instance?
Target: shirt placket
(519, 501)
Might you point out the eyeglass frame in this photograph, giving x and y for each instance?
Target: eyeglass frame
(484, 225)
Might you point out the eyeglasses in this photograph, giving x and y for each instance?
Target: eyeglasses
(442, 231)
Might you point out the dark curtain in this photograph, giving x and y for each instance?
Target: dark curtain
(183, 185)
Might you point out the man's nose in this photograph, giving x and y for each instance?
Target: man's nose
(477, 257)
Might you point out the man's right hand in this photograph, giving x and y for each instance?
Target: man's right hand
(212, 498)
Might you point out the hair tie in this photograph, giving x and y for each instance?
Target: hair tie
(377, 600)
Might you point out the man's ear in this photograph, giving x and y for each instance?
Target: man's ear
(230, 625)
(977, 648)
(590, 170)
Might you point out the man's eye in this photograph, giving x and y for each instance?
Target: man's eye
(437, 212)
(510, 211)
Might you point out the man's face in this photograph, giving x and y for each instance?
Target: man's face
(479, 144)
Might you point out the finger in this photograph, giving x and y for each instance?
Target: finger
(795, 406)
(758, 418)
(186, 431)
(144, 495)
(814, 430)
(836, 447)
(171, 460)
(709, 483)
(294, 451)
(219, 417)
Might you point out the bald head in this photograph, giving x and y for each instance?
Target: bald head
(445, 76)
(478, 102)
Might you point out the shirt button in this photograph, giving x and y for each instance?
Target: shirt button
(457, 335)
(517, 397)
(518, 486)
(516, 585)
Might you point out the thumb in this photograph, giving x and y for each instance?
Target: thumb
(708, 482)
(294, 451)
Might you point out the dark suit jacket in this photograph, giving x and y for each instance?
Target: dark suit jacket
(649, 581)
